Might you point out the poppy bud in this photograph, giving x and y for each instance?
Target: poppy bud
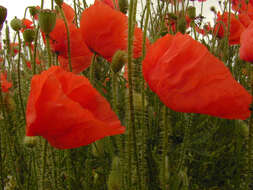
(119, 59)
(30, 141)
(172, 16)
(29, 35)
(123, 6)
(33, 11)
(47, 20)
(9, 102)
(115, 176)
(16, 24)
(181, 25)
(59, 2)
(191, 11)
(3, 14)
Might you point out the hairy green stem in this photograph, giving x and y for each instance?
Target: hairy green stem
(49, 51)
(68, 37)
(19, 77)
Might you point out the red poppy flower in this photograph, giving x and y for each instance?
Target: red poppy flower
(66, 110)
(28, 64)
(104, 30)
(14, 48)
(27, 24)
(78, 63)
(246, 49)
(236, 28)
(68, 11)
(111, 3)
(188, 78)
(5, 85)
(241, 5)
(80, 54)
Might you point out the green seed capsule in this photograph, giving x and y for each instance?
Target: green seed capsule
(47, 20)
(3, 14)
(16, 24)
(29, 35)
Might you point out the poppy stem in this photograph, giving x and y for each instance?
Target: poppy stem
(48, 51)
(132, 131)
(75, 13)
(68, 37)
(44, 163)
(19, 77)
(250, 142)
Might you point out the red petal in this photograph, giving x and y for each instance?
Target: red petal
(58, 110)
(187, 78)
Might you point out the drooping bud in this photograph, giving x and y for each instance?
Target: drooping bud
(29, 35)
(123, 6)
(59, 2)
(47, 20)
(191, 12)
(16, 24)
(119, 59)
(30, 141)
(3, 14)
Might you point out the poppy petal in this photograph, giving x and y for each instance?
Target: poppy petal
(57, 110)
(188, 78)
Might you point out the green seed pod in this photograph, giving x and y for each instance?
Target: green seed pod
(181, 25)
(16, 24)
(59, 2)
(119, 59)
(47, 20)
(191, 12)
(33, 11)
(29, 35)
(30, 141)
(3, 14)
(123, 6)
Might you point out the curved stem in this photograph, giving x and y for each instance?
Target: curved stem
(68, 37)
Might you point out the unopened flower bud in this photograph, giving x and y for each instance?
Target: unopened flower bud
(9, 102)
(119, 59)
(47, 20)
(3, 14)
(59, 2)
(191, 12)
(123, 6)
(30, 141)
(16, 24)
(29, 35)
(172, 16)
(115, 176)
(181, 25)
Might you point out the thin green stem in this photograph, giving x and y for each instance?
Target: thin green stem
(19, 77)
(49, 51)
(68, 37)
